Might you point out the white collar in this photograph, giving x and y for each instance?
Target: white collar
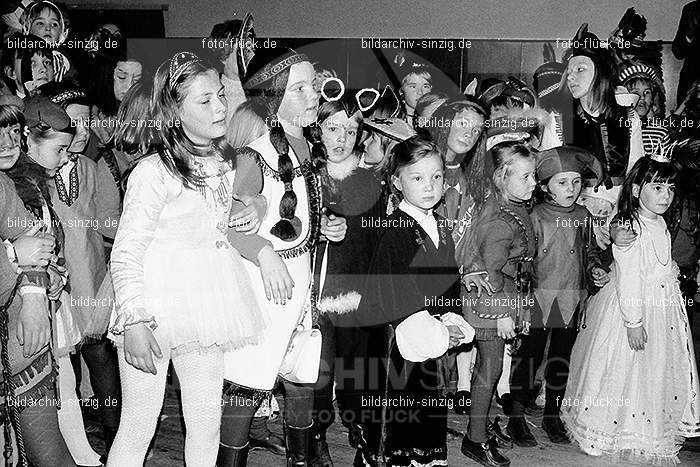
(426, 221)
(415, 212)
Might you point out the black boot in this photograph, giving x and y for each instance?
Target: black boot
(232, 457)
(555, 429)
(484, 453)
(297, 446)
(502, 439)
(109, 435)
(318, 449)
(520, 433)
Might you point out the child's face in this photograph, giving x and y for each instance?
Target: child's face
(579, 76)
(299, 105)
(10, 138)
(414, 87)
(464, 133)
(421, 183)
(564, 188)
(203, 110)
(80, 115)
(338, 135)
(51, 152)
(520, 181)
(646, 97)
(47, 25)
(42, 70)
(126, 74)
(654, 198)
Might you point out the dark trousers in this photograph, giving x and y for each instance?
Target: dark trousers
(324, 412)
(43, 441)
(101, 360)
(489, 365)
(240, 404)
(342, 362)
(528, 359)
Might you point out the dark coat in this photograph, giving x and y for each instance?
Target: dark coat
(566, 253)
(505, 241)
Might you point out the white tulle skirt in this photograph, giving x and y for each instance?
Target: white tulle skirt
(635, 405)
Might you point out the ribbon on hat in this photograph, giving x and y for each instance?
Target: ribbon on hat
(271, 70)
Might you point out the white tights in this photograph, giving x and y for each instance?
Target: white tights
(70, 417)
(201, 381)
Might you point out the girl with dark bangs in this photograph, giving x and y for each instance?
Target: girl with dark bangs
(37, 68)
(354, 194)
(634, 347)
(410, 307)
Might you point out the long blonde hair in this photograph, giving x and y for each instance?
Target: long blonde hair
(246, 125)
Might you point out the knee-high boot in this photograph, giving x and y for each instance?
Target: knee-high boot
(230, 456)
(297, 445)
(319, 456)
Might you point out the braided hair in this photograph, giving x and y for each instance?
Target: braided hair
(270, 95)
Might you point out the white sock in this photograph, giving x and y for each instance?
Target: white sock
(70, 417)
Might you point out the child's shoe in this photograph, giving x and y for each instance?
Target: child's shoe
(555, 430)
(520, 433)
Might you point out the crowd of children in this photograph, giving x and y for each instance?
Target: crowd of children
(396, 255)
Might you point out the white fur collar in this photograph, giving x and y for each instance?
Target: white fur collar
(344, 169)
(340, 304)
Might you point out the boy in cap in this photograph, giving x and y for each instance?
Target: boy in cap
(566, 259)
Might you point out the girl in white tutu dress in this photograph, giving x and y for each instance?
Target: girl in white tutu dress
(182, 292)
(633, 382)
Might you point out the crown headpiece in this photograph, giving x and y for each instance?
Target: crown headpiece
(178, 64)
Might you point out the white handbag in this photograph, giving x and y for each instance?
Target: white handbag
(302, 360)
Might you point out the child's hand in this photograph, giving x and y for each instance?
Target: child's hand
(139, 347)
(33, 325)
(480, 281)
(637, 337)
(622, 235)
(333, 228)
(600, 277)
(276, 279)
(34, 248)
(456, 335)
(247, 220)
(506, 328)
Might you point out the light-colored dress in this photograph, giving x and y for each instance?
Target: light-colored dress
(257, 366)
(172, 266)
(635, 404)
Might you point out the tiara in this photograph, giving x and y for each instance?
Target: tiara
(67, 96)
(663, 152)
(178, 64)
